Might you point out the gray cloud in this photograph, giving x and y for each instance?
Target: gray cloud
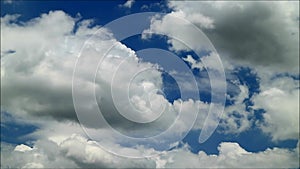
(263, 33)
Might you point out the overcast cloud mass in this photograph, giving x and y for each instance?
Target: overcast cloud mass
(258, 46)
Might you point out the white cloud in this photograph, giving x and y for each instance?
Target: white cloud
(231, 155)
(280, 99)
(22, 148)
(38, 79)
(38, 74)
(128, 4)
(77, 151)
(175, 25)
(194, 63)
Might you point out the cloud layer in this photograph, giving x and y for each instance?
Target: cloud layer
(76, 151)
(37, 63)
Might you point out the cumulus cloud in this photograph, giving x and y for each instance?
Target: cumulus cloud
(77, 151)
(264, 33)
(175, 25)
(37, 80)
(280, 99)
(36, 75)
(246, 34)
(231, 155)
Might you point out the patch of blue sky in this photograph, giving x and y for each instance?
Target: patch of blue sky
(92, 9)
(137, 43)
(243, 76)
(171, 87)
(253, 140)
(102, 11)
(247, 77)
(14, 132)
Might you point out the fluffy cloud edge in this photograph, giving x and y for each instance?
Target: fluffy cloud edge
(77, 151)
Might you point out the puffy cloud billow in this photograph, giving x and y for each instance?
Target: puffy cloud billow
(77, 151)
(263, 33)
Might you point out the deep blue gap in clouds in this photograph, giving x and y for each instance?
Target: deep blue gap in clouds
(247, 77)
(13, 132)
(102, 11)
(252, 140)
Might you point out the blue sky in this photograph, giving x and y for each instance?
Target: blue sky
(102, 11)
(259, 77)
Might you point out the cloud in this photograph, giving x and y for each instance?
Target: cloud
(37, 76)
(247, 34)
(37, 83)
(236, 118)
(128, 4)
(42, 155)
(175, 25)
(194, 63)
(22, 148)
(231, 155)
(280, 99)
(262, 33)
(77, 151)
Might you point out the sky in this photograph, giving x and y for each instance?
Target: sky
(149, 84)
